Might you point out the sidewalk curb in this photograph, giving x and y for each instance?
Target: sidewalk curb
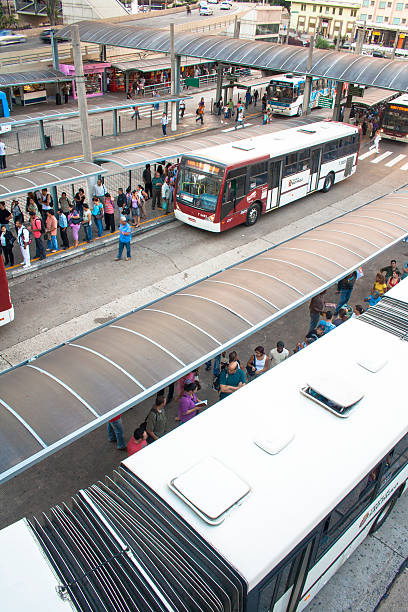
(83, 250)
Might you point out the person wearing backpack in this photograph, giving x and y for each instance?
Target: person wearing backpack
(7, 241)
(23, 238)
(37, 228)
(156, 420)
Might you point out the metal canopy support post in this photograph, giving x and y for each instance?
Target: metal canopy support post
(218, 92)
(115, 121)
(347, 108)
(54, 195)
(337, 101)
(360, 41)
(54, 51)
(177, 83)
(42, 135)
(308, 83)
(394, 48)
(173, 78)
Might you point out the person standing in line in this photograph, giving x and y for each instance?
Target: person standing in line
(125, 236)
(115, 432)
(256, 96)
(87, 223)
(376, 142)
(189, 405)
(63, 228)
(46, 204)
(97, 215)
(23, 238)
(247, 98)
(345, 287)
(165, 195)
(7, 240)
(36, 228)
(182, 107)
(232, 377)
(51, 228)
(388, 270)
(316, 307)
(258, 363)
(278, 354)
(240, 117)
(109, 213)
(327, 322)
(79, 199)
(157, 183)
(137, 441)
(142, 196)
(74, 221)
(156, 420)
(164, 121)
(16, 212)
(120, 200)
(99, 190)
(135, 209)
(5, 215)
(147, 179)
(3, 165)
(64, 203)
(65, 92)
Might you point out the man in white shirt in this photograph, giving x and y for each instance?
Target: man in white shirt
(23, 238)
(99, 190)
(278, 354)
(2, 155)
(164, 122)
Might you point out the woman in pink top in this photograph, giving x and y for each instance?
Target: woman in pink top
(109, 207)
(74, 221)
(51, 228)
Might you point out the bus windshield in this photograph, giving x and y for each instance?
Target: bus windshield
(281, 92)
(200, 184)
(396, 119)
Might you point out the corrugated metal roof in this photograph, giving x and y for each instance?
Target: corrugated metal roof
(361, 69)
(134, 356)
(158, 63)
(375, 96)
(38, 179)
(30, 78)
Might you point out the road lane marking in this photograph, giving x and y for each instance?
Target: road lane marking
(395, 161)
(381, 157)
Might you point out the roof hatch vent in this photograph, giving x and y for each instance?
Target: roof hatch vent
(244, 145)
(275, 441)
(372, 363)
(336, 394)
(211, 489)
(307, 131)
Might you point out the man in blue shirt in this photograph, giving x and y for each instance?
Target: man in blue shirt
(125, 235)
(327, 323)
(63, 225)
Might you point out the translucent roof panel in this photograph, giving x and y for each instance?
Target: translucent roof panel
(134, 356)
(360, 69)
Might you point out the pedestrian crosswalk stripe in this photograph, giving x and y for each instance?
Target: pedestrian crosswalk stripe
(231, 129)
(366, 154)
(404, 167)
(381, 157)
(395, 161)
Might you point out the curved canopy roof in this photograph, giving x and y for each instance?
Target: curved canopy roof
(28, 78)
(134, 356)
(361, 69)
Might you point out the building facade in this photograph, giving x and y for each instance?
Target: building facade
(330, 18)
(263, 22)
(383, 20)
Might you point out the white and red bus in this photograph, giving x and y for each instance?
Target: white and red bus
(223, 186)
(395, 119)
(6, 307)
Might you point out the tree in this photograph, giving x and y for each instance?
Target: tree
(53, 11)
(322, 43)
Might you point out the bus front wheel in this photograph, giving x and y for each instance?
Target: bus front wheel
(328, 183)
(252, 215)
(384, 514)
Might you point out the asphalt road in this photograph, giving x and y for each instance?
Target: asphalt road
(57, 303)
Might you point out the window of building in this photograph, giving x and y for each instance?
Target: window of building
(354, 13)
(389, 4)
(372, 3)
(403, 21)
(267, 28)
(379, 19)
(363, 16)
(340, 11)
(327, 9)
(370, 17)
(303, 7)
(366, 2)
(334, 10)
(386, 19)
(396, 21)
(314, 8)
(382, 5)
(399, 6)
(321, 9)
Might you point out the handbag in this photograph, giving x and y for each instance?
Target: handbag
(47, 235)
(249, 367)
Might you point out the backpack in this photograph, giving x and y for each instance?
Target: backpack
(42, 228)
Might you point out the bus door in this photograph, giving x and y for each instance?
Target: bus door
(234, 191)
(275, 181)
(315, 169)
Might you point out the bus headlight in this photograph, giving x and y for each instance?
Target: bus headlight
(211, 218)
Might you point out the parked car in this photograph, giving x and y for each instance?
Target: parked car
(225, 5)
(8, 37)
(212, 1)
(206, 10)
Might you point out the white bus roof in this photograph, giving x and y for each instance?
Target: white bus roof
(292, 491)
(277, 143)
(403, 99)
(288, 78)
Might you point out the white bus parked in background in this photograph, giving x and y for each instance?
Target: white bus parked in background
(251, 506)
(285, 93)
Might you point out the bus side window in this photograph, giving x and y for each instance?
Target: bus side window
(234, 189)
(304, 160)
(280, 583)
(258, 175)
(393, 462)
(291, 165)
(301, 88)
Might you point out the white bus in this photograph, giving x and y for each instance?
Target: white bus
(395, 119)
(251, 506)
(285, 93)
(226, 185)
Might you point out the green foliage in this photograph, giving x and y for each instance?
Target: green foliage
(322, 43)
(53, 11)
(6, 21)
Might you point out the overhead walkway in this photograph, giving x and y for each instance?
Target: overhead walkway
(358, 69)
(94, 377)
